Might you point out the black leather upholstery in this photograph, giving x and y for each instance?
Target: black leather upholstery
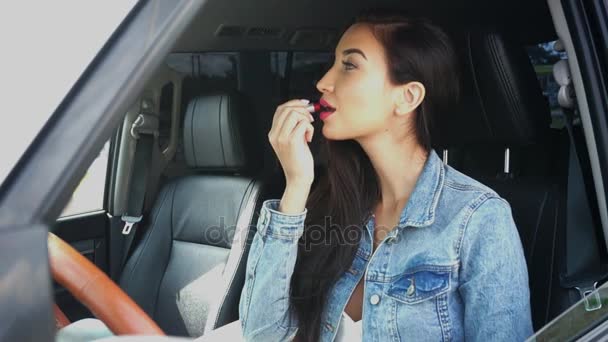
(185, 271)
(503, 107)
(502, 101)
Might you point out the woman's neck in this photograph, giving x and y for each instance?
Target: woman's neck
(398, 166)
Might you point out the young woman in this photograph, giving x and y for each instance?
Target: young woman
(389, 244)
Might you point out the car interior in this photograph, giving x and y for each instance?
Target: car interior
(208, 108)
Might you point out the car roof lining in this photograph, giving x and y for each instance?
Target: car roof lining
(272, 24)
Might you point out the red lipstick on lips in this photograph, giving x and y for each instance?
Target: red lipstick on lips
(321, 107)
(314, 107)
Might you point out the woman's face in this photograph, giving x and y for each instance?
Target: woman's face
(358, 87)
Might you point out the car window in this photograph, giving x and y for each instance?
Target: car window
(89, 193)
(302, 70)
(307, 68)
(217, 67)
(543, 56)
(47, 56)
(578, 319)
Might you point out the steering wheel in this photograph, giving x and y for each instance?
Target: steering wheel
(93, 288)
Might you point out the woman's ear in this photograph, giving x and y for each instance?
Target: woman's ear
(409, 97)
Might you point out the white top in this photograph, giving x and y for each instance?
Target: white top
(348, 330)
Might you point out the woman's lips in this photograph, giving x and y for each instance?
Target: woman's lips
(324, 115)
(325, 103)
(322, 107)
(329, 109)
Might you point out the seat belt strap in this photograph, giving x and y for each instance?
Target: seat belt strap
(583, 271)
(145, 131)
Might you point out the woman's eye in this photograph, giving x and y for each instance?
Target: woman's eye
(348, 66)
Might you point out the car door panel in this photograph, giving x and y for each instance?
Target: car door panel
(87, 233)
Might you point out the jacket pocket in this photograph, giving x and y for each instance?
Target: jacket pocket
(420, 284)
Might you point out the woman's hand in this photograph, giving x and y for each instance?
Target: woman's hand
(289, 136)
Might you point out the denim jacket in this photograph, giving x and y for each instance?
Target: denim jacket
(452, 270)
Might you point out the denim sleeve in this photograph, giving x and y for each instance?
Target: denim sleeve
(264, 302)
(494, 276)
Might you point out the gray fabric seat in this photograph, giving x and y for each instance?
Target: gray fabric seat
(187, 270)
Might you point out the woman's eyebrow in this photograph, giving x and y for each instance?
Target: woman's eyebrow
(349, 51)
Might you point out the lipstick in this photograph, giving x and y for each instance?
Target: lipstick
(321, 108)
(314, 107)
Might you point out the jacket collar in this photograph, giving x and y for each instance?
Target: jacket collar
(420, 208)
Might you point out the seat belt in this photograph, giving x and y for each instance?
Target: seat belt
(583, 269)
(145, 131)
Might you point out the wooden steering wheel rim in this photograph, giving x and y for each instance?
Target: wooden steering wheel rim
(93, 288)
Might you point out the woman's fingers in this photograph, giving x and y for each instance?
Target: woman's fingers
(287, 112)
(310, 131)
(290, 122)
(303, 130)
(283, 111)
(290, 130)
(292, 103)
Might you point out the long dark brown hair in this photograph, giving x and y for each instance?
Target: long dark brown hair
(343, 197)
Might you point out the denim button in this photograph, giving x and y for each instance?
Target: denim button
(375, 299)
(411, 289)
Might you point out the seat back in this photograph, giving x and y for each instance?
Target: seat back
(501, 136)
(184, 271)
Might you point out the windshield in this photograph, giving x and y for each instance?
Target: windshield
(54, 45)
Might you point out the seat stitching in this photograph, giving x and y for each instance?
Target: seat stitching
(555, 224)
(256, 194)
(536, 227)
(479, 96)
(247, 191)
(233, 135)
(220, 129)
(192, 131)
(242, 251)
(506, 79)
(170, 251)
(147, 240)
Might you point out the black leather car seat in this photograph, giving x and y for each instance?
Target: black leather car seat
(187, 270)
(504, 117)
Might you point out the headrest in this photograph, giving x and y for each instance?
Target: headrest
(218, 135)
(501, 100)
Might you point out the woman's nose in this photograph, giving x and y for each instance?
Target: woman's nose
(325, 85)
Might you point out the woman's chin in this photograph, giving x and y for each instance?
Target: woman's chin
(330, 133)
(327, 133)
